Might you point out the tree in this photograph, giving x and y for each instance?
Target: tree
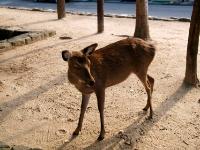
(61, 9)
(142, 25)
(192, 47)
(100, 16)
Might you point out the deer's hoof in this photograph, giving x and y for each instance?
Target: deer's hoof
(145, 109)
(150, 117)
(76, 132)
(100, 138)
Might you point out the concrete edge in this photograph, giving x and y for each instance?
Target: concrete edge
(24, 39)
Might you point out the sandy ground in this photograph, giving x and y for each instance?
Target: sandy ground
(39, 108)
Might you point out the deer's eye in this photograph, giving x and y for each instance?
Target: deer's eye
(77, 66)
(80, 60)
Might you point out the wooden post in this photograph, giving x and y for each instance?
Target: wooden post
(100, 16)
(61, 8)
(142, 25)
(192, 47)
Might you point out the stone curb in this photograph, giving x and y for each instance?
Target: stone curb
(106, 15)
(24, 39)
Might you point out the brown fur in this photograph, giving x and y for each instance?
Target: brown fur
(92, 71)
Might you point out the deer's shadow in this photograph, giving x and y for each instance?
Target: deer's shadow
(142, 123)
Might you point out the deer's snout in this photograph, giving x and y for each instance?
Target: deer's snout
(91, 83)
(90, 79)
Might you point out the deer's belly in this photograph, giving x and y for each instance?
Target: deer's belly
(117, 78)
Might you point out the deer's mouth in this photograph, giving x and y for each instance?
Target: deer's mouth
(90, 84)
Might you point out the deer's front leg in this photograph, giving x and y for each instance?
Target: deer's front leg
(85, 99)
(100, 93)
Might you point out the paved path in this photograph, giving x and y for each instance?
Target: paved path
(165, 11)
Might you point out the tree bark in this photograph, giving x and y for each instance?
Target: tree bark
(61, 9)
(142, 25)
(100, 16)
(192, 47)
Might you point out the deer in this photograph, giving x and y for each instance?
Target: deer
(92, 71)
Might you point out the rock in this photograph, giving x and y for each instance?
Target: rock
(128, 141)
(17, 41)
(199, 101)
(35, 36)
(121, 132)
(141, 131)
(4, 145)
(70, 120)
(20, 147)
(37, 109)
(26, 37)
(122, 135)
(46, 118)
(4, 148)
(184, 19)
(185, 142)
(45, 34)
(65, 37)
(5, 45)
(108, 15)
(175, 18)
(61, 131)
(51, 33)
(37, 9)
(163, 128)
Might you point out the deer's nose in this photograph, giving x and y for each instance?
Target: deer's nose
(91, 83)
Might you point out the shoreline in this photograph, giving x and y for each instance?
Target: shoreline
(181, 19)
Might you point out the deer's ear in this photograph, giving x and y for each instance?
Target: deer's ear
(90, 49)
(66, 55)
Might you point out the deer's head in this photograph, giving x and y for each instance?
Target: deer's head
(79, 71)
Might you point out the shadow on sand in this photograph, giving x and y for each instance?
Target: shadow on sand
(47, 47)
(141, 124)
(11, 105)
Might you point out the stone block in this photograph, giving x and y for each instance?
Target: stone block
(51, 33)
(26, 37)
(17, 41)
(5, 45)
(22, 37)
(35, 36)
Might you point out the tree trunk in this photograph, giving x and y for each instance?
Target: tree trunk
(61, 9)
(100, 15)
(192, 47)
(142, 25)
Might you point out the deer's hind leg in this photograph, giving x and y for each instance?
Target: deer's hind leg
(151, 82)
(148, 83)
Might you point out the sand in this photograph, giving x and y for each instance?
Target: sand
(40, 108)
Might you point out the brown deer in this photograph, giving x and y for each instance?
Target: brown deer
(93, 70)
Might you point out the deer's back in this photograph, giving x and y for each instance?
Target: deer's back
(114, 63)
